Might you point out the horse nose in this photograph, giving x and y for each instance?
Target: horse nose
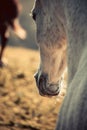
(44, 87)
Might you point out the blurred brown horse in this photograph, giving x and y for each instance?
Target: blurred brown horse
(9, 11)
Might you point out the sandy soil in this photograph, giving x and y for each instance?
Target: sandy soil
(21, 107)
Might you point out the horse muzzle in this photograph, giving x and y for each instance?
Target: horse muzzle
(45, 88)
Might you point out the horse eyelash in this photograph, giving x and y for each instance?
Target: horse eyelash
(34, 16)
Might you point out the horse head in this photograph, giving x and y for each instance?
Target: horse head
(51, 40)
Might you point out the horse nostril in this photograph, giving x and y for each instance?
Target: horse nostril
(42, 79)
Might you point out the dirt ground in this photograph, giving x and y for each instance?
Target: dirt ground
(21, 107)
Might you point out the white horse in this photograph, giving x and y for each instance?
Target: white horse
(51, 39)
(59, 21)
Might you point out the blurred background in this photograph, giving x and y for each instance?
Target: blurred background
(21, 106)
(28, 24)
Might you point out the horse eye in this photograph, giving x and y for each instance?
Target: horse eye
(34, 15)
